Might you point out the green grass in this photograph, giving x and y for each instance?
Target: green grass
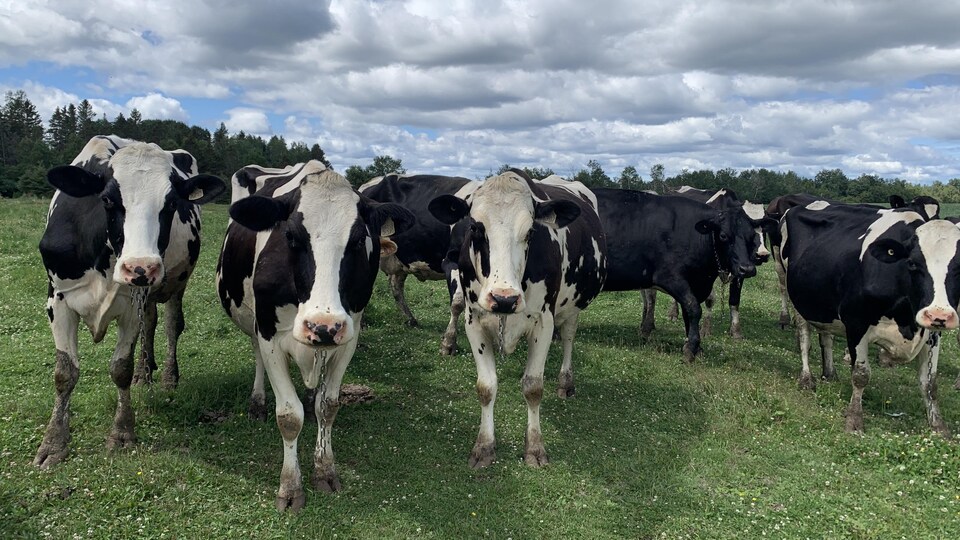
(649, 447)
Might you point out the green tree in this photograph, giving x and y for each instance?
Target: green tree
(20, 124)
(657, 181)
(630, 178)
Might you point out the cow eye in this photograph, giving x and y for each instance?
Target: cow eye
(107, 202)
(724, 237)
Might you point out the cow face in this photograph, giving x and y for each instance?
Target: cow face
(735, 240)
(503, 219)
(142, 191)
(326, 237)
(927, 267)
(761, 223)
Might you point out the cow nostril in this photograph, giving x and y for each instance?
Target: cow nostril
(139, 271)
(505, 304)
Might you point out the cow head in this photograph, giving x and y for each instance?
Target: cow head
(926, 206)
(761, 223)
(926, 267)
(327, 238)
(504, 218)
(735, 240)
(142, 191)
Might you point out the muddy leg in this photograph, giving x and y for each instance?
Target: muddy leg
(173, 326)
(63, 323)
(484, 450)
(289, 412)
(534, 452)
(121, 371)
(647, 326)
(325, 477)
(565, 386)
(807, 381)
(929, 356)
(859, 377)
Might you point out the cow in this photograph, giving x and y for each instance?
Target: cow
(676, 245)
(533, 256)
(421, 250)
(872, 276)
(927, 207)
(721, 199)
(295, 273)
(122, 235)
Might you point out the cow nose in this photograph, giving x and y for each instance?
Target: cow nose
(505, 304)
(140, 273)
(747, 270)
(322, 334)
(939, 318)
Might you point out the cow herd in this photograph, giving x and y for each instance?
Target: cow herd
(521, 259)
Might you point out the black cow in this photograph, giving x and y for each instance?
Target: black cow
(532, 257)
(422, 248)
(123, 234)
(872, 276)
(676, 245)
(722, 199)
(296, 271)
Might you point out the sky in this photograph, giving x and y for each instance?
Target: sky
(460, 87)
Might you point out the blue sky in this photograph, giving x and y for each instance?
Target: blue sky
(463, 87)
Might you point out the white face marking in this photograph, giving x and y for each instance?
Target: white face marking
(716, 195)
(938, 243)
(883, 224)
(817, 205)
(931, 210)
(753, 210)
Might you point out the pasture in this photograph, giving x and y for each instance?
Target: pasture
(650, 447)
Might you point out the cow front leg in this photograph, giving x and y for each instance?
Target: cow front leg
(538, 345)
(929, 356)
(706, 324)
(148, 362)
(827, 371)
(736, 288)
(289, 412)
(859, 377)
(396, 287)
(691, 321)
(568, 330)
(325, 477)
(647, 324)
(674, 312)
(484, 449)
(64, 323)
(782, 286)
(448, 345)
(173, 325)
(122, 433)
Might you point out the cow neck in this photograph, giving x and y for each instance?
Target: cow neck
(723, 274)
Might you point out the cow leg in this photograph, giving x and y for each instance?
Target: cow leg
(121, 371)
(827, 371)
(736, 287)
(534, 452)
(448, 345)
(484, 450)
(647, 326)
(806, 381)
(396, 287)
(859, 377)
(956, 384)
(257, 405)
(782, 286)
(691, 321)
(707, 323)
(325, 477)
(929, 356)
(148, 363)
(565, 387)
(173, 325)
(289, 412)
(885, 359)
(674, 312)
(64, 323)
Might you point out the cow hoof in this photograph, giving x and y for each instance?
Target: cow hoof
(736, 334)
(645, 331)
(448, 349)
(294, 502)
(941, 429)
(327, 481)
(118, 440)
(830, 376)
(536, 457)
(413, 323)
(806, 382)
(257, 409)
(51, 453)
(784, 321)
(170, 382)
(482, 455)
(564, 392)
(854, 424)
(142, 377)
(688, 355)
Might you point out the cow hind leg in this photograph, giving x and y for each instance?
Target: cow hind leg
(534, 451)
(859, 378)
(568, 330)
(448, 345)
(173, 325)
(64, 325)
(647, 325)
(691, 321)
(929, 356)
(782, 286)
(397, 282)
(257, 405)
(706, 325)
(148, 363)
(827, 371)
(674, 312)
(121, 371)
(806, 381)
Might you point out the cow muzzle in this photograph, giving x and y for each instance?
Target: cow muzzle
(325, 331)
(746, 270)
(938, 318)
(504, 301)
(140, 271)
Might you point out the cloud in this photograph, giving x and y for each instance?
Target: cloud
(158, 107)
(250, 121)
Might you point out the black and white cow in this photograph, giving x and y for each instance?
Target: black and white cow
(123, 231)
(422, 248)
(296, 271)
(676, 245)
(927, 207)
(872, 276)
(532, 257)
(722, 199)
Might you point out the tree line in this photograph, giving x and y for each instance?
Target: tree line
(27, 150)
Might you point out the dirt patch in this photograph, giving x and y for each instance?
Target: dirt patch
(356, 393)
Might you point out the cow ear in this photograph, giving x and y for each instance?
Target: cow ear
(897, 201)
(706, 226)
(392, 218)
(888, 250)
(75, 181)
(259, 213)
(448, 208)
(200, 189)
(558, 213)
(387, 247)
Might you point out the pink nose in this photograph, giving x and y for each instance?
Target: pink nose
(939, 318)
(504, 300)
(324, 330)
(140, 272)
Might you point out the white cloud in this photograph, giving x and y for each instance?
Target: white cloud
(158, 107)
(250, 121)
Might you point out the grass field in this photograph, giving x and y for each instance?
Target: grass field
(648, 448)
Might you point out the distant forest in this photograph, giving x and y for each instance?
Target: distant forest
(27, 150)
